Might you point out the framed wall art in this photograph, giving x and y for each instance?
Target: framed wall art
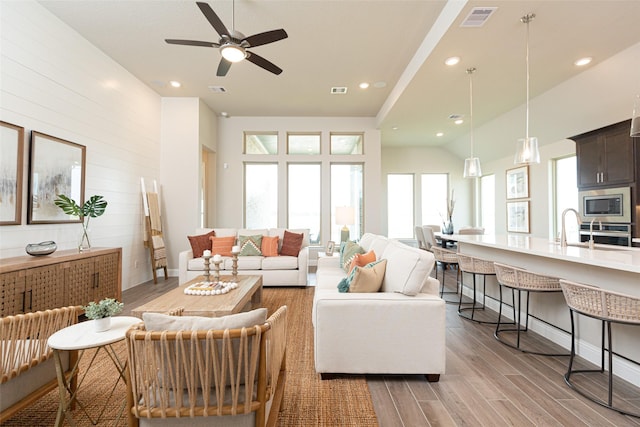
(518, 217)
(518, 183)
(56, 167)
(11, 161)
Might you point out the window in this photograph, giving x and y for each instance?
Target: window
(488, 203)
(346, 143)
(261, 143)
(434, 192)
(303, 143)
(261, 195)
(565, 195)
(400, 205)
(304, 198)
(346, 190)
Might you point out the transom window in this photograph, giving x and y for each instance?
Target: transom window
(260, 143)
(346, 143)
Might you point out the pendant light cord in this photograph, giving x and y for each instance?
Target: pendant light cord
(526, 19)
(470, 71)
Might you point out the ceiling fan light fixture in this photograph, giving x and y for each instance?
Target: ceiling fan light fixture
(233, 52)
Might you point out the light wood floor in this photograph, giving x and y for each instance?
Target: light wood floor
(486, 383)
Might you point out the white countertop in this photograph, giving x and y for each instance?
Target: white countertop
(615, 257)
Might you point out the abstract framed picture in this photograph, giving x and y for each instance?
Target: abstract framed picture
(11, 161)
(56, 167)
(518, 217)
(518, 183)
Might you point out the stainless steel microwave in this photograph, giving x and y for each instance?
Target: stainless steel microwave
(606, 205)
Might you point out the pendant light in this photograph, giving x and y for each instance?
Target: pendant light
(527, 148)
(635, 120)
(472, 164)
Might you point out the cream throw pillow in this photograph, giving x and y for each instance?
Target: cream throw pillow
(368, 279)
(164, 322)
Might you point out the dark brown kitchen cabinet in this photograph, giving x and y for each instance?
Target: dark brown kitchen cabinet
(605, 157)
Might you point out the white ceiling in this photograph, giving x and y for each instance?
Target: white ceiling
(341, 43)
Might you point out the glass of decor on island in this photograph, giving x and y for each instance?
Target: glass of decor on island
(92, 208)
(101, 312)
(447, 224)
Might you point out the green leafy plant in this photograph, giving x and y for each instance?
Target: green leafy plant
(104, 308)
(92, 208)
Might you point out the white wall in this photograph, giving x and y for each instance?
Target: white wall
(54, 81)
(230, 179)
(188, 125)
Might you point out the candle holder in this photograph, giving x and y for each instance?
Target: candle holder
(207, 260)
(216, 271)
(234, 259)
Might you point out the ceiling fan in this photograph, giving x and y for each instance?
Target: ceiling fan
(233, 45)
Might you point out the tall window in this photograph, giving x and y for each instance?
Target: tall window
(400, 205)
(488, 203)
(304, 198)
(346, 190)
(565, 194)
(261, 195)
(434, 197)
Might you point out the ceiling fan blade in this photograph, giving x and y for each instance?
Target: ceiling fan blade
(213, 19)
(263, 63)
(266, 37)
(192, 43)
(223, 67)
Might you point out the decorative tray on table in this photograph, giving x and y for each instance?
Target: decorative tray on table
(210, 288)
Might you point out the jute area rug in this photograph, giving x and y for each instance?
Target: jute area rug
(308, 401)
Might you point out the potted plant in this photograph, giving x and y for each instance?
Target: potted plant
(102, 311)
(92, 208)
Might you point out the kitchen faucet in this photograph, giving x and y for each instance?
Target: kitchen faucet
(591, 242)
(563, 234)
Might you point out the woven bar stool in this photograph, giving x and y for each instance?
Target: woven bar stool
(608, 307)
(520, 280)
(474, 266)
(446, 258)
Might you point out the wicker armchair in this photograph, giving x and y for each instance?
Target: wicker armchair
(242, 370)
(26, 357)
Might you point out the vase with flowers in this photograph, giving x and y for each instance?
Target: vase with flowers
(92, 208)
(447, 223)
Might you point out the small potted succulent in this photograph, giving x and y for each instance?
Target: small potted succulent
(102, 311)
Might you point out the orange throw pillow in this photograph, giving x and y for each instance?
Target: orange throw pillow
(269, 245)
(360, 260)
(222, 245)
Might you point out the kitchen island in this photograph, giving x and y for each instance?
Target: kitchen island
(615, 268)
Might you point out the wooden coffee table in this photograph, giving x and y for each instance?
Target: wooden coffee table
(247, 296)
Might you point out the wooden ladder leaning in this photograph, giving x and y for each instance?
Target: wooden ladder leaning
(153, 230)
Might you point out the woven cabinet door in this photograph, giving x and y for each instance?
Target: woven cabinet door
(12, 291)
(107, 268)
(80, 281)
(44, 288)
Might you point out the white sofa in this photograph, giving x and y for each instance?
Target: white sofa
(386, 332)
(275, 271)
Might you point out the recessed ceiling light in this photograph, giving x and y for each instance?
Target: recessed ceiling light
(439, 134)
(364, 85)
(175, 83)
(452, 61)
(583, 61)
(379, 85)
(459, 121)
(394, 128)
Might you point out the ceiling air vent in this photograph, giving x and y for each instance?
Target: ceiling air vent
(478, 16)
(217, 89)
(338, 90)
